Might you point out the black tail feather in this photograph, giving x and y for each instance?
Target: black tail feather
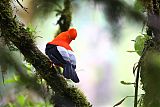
(66, 71)
(70, 73)
(74, 76)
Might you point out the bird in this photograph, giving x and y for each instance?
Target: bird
(61, 54)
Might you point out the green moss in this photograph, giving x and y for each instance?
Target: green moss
(79, 98)
(150, 77)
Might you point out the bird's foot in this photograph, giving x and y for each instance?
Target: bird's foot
(51, 64)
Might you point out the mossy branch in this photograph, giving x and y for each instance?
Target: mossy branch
(16, 33)
(150, 64)
(65, 19)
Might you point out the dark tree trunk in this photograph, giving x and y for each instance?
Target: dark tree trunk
(150, 66)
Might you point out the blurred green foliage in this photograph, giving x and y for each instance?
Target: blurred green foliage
(24, 101)
(43, 8)
(31, 29)
(11, 80)
(116, 10)
(20, 77)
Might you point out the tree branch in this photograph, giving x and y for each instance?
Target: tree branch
(24, 8)
(14, 31)
(65, 19)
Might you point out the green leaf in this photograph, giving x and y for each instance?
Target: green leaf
(139, 44)
(21, 100)
(12, 80)
(31, 29)
(120, 102)
(16, 77)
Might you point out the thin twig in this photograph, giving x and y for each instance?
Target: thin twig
(24, 8)
(136, 85)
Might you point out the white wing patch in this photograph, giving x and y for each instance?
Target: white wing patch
(67, 55)
(72, 57)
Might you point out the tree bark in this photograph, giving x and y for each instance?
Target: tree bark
(150, 66)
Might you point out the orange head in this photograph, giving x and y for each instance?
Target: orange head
(72, 33)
